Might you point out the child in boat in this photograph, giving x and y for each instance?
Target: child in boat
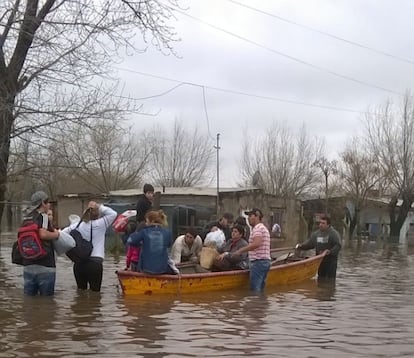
(132, 253)
(227, 260)
(132, 258)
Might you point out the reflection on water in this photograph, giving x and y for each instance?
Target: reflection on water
(367, 312)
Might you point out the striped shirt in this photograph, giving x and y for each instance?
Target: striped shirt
(263, 251)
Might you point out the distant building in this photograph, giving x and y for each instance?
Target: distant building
(374, 220)
(191, 206)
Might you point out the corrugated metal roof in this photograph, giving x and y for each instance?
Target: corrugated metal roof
(181, 191)
(82, 195)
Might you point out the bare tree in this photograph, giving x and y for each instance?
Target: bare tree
(390, 134)
(281, 162)
(53, 55)
(328, 168)
(20, 181)
(106, 157)
(181, 158)
(359, 173)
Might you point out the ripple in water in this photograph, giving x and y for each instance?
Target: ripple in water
(367, 313)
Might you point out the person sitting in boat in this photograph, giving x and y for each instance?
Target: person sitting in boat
(132, 257)
(132, 252)
(187, 248)
(228, 260)
(224, 224)
(154, 240)
(241, 220)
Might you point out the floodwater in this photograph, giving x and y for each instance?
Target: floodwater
(367, 313)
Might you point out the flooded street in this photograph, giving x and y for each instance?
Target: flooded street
(369, 313)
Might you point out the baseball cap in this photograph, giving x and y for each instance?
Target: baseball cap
(37, 199)
(254, 211)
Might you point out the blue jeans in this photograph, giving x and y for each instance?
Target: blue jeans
(258, 274)
(39, 279)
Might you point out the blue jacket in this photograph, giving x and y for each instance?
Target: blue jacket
(154, 241)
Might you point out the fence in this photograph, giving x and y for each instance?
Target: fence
(12, 215)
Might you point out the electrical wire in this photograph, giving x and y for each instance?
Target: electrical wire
(246, 94)
(295, 59)
(206, 113)
(336, 37)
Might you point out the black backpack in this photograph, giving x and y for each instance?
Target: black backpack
(83, 249)
(16, 255)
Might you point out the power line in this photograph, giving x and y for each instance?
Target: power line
(206, 113)
(149, 97)
(309, 64)
(160, 94)
(246, 94)
(336, 37)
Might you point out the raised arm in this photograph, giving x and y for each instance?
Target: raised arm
(107, 214)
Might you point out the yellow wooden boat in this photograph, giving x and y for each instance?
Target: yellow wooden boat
(283, 272)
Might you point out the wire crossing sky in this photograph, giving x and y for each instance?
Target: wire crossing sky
(243, 65)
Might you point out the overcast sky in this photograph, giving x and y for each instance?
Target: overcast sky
(289, 54)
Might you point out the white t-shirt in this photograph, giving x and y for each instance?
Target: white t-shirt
(180, 248)
(99, 227)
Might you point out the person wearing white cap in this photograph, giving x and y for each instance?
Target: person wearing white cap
(40, 274)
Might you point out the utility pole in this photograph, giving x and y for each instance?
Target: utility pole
(328, 168)
(217, 147)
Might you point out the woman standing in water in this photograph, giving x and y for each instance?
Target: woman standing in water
(96, 221)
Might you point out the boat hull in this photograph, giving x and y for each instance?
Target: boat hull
(136, 283)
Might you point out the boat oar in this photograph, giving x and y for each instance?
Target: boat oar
(284, 257)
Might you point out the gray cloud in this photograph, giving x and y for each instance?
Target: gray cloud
(213, 58)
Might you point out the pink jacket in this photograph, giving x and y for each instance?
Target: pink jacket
(132, 255)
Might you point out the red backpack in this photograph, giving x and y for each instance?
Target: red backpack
(29, 242)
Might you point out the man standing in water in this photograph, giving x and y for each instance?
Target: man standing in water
(39, 274)
(259, 250)
(325, 238)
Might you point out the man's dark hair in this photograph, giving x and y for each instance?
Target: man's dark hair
(241, 220)
(327, 219)
(228, 216)
(192, 232)
(148, 188)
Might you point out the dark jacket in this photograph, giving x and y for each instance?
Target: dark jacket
(143, 206)
(42, 221)
(320, 241)
(232, 261)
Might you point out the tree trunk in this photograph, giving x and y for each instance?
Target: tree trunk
(6, 121)
(353, 224)
(398, 216)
